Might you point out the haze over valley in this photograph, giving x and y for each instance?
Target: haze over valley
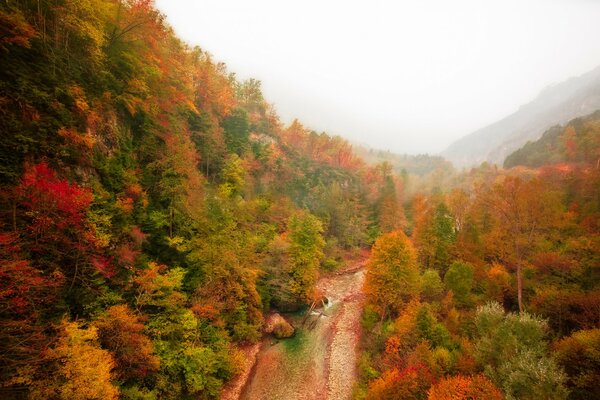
(408, 77)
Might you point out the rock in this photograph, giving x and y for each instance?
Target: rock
(283, 330)
(278, 326)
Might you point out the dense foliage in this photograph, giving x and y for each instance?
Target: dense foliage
(507, 262)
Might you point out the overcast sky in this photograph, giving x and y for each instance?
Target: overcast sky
(407, 76)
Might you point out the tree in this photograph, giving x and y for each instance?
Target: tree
(51, 217)
(236, 131)
(434, 232)
(459, 279)
(305, 253)
(27, 293)
(405, 335)
(409, 383)
(431, 330)
(233, 176)
(529, 376)
(79, 368)
(512, 351)
(195, 354)
(54, 214)
(180, 183)
(461, 387)
(389, 212)
(189, 367)
(223, 260)
(16, 30)
(524, 214)
(342, 212)
(249, 95)
(155, 288)
(122, 333)
(392, 274)
(579, 355)
(444, 233)
(497, 283)
(467, 245)
(227, 283)
(432, 285)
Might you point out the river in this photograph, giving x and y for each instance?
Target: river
(320, 361)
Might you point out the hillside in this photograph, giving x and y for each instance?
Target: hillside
(555, 105)
(577, 142)
(154, 208)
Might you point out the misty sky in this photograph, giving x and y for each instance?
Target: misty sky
(407, 76)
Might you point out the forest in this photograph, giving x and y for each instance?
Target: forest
(154, 209)
(491, 290)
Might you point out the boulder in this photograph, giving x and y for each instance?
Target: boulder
(278, 326)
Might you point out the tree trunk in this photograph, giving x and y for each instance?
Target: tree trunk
(171, 222)
(14, 216)
(519, 274)
(520, 287)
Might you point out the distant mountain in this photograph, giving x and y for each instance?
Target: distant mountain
(555, 105)
(577, 142)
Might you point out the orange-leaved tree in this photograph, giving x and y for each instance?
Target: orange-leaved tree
(462, 387)
(409, 383)
(523, 214)
(122, 332)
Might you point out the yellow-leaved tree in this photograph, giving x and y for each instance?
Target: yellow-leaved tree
(78, 368)
(392, 274)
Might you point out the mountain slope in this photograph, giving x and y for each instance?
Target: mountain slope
(556, 104)
(577, 142)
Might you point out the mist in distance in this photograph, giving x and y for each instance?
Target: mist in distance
(409, 77)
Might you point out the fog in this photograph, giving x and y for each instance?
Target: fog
(405, 76)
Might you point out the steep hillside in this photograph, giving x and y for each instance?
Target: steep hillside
(577, 142)
(556, 104)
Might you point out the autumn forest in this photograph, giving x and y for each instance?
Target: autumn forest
(155, 213)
